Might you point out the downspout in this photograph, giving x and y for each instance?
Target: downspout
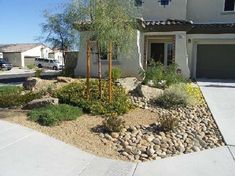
(139, 50)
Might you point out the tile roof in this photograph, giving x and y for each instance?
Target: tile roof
(166, 22)
(16, 48)
(213, 28)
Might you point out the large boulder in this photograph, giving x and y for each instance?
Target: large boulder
(30, 83)
(129, 83)
(149, 92)
(37, 84)
(38, 103)
(65, 79)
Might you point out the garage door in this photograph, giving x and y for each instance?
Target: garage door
(29, 60)
(216, 61)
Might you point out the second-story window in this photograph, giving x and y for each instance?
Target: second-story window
(229, 5)
(138, 3)
(164, 2)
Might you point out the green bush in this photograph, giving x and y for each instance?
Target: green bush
(75, 94)
(116, 74)
(31, 66)
(168, 123)
(162, 76)
(68, 72)
(114, 124)
(174, 96)
(54, 114)
(38, 72)
(13, 96)
(10, 89)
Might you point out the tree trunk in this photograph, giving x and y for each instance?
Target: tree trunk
(110, 51)
(99, 70)
(88, 57)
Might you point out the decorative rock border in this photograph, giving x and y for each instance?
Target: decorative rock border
(197, 131)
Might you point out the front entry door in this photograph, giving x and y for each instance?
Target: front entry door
(157, 52)
(161, 52)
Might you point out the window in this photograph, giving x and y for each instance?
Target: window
(169, 53)
(161, 52)
(229, 5)
(104, 54)
(138, 3)
(164, 2)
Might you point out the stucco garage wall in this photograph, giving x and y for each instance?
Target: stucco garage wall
(13, 58)
(196, 39)
(129, 63)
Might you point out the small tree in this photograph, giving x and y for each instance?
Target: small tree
(112, 23)
(58, 29)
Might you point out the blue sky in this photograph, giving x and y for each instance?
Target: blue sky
(20, 19)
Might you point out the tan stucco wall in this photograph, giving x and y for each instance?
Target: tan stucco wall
(198, 11)
(13, 58)
(195, 39)
(130, 63)
(208, 11)
(152, 10)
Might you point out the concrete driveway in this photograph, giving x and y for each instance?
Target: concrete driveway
(220, 96)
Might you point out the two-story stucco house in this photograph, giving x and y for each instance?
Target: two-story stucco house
(198, 35)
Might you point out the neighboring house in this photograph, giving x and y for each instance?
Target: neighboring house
(21, 55)
(197, 35)
(1, 55)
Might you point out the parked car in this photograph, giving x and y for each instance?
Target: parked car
(48, 63)
(4, 65)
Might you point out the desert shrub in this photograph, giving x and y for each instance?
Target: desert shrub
(10, 89)
(29, 96)
(174, 96)
(75, 94)
(116, 74)
(38, 72)
(168, 123)
(114, 123)
(68, 72)
(153, 73)
(194, 92)
(31, 66)
(13, 96)
(54, 114)
(171, 76)
(161, 75)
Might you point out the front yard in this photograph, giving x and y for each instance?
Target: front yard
(144, 122)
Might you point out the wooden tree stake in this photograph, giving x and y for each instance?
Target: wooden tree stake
(110, 71)
(88, 62)
(99, 70)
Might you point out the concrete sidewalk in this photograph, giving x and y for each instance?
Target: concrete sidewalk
(220, 97)
(24, 152)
